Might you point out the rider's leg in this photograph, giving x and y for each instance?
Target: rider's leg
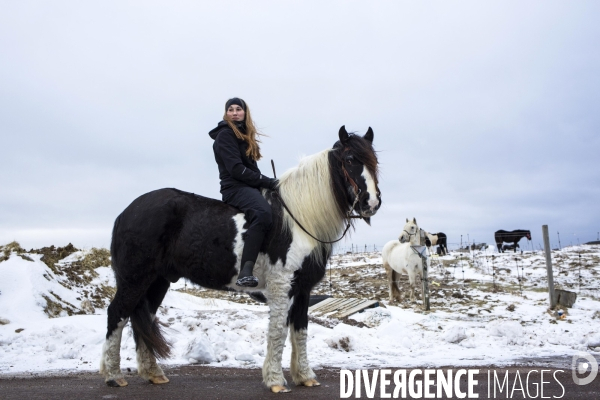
(258, 216)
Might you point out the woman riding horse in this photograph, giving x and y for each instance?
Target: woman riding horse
(236, 152)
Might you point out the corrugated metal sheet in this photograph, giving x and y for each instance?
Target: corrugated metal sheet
(340, 308)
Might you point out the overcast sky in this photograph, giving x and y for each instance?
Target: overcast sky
(485, 113)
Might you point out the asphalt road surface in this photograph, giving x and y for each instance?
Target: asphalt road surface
(200, 382)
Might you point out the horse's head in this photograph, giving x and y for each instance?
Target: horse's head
(356, 170)
(528, 235)
(410, 232)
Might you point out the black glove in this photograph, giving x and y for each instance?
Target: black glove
(274, 184)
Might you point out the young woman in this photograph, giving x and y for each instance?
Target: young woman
(236, 152)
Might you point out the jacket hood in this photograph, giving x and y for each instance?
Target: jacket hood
(220, 126)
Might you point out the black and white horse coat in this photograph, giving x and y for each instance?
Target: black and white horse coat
(439, 239)
(169, 234)
(502, 236)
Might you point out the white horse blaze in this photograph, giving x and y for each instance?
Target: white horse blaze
(371, 188)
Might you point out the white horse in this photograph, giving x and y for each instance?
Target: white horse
(405, 255)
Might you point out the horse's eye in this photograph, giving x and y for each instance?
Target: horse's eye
(349, 159)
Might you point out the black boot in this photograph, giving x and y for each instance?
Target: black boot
(245, 277)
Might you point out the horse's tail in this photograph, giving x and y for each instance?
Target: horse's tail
(113, 242)
(146, 328)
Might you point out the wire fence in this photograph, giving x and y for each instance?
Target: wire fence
(524, 245)
(575, 268)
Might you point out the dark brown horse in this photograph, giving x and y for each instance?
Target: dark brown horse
(510, 237)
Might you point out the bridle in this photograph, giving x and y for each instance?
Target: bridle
(409, 234)
(414, 247)
(349, 215)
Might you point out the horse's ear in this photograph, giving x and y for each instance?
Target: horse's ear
(367, 220)
(406, 219)
(369, 135)
(414, 220)
(343, 135)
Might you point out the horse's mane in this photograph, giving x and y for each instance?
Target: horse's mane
(317, 199)
(307, 191)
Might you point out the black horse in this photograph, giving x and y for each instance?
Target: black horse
(510, 237)
(169, 234)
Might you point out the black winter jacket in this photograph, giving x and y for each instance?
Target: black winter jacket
(236, 169)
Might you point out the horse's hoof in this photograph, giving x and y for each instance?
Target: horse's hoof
(280, 389)
(311, 383)
(159, 380)
(120, 382)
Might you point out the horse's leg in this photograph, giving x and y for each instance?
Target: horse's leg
(390, 276)
(119, 310)
(147, 366)
(395, 288)
(300, 369)
(278, 286)
(110, 361)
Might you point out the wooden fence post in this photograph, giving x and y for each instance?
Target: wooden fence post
(426, 305)
(549, 266)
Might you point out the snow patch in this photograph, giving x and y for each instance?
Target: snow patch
(200, 351)
(455, 334)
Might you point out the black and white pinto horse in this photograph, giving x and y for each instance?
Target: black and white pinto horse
(440, 240)
(510, 237)
(169, 234)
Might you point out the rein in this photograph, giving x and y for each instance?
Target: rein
(424, 258)
(348, 216)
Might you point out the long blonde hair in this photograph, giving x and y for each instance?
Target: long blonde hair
(251, 136)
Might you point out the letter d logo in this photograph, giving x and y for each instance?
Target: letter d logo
(581, 367)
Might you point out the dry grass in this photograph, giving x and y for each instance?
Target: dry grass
(7, 249)
(77, 274)
(236, 297)
(55, 306)
(82, 271)
(51, 255)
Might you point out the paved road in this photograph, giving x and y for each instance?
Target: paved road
(195, 382)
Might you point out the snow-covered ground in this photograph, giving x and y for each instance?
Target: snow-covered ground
(54, 322)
